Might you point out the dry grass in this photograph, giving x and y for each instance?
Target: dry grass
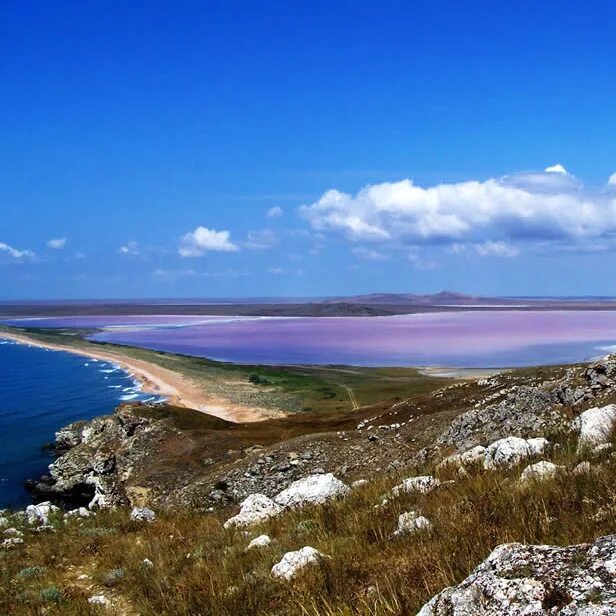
(199, 568)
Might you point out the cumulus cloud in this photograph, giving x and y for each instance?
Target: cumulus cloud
(131, 249)
(14, 254)
(274, 212)
(260, 240)
(202, 240)
(545, 206)
(57, 243)
(612, 180)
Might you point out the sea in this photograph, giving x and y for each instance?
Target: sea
(41, 391)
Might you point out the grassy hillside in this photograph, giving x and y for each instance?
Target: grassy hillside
(200, 568)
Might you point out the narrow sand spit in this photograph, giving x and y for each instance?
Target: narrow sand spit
(178, 389)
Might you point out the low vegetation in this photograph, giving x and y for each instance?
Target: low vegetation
(194, 566)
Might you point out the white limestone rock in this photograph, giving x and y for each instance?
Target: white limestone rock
(595, 426)
(312, 490)
(540, 471)
(293, 562)
(583, 468)
(538, 445)
(39, 514)
(11, 542)
(519, 580)
(359, 483)
(142, 514)
(98, 600)
(259, 542)
(422, 484)
(459, 460)
(511, 451)
(411, 522)
(254, 509)
(81, 512)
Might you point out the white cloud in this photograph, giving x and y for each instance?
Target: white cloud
(202, 240)
(368, 254)
(130, 249)
(487, 249)
(558, 168)
(15, 254)
(543, 206)
(275, 212)
(171, 275)
(57, 243)
(612, 180)
(276, 270)
(260, 240)
(420, 263)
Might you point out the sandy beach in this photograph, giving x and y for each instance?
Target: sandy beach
(175, 387)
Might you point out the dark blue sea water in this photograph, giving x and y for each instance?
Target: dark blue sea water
(41, 391)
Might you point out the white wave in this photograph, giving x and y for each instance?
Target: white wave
(114, 386)
(129, 397)
(608, 348)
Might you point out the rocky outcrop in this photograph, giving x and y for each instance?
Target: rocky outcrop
(524, 411)
(99, 457)
(537, 579)
(527, 410)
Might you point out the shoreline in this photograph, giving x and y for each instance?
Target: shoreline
(176, 388)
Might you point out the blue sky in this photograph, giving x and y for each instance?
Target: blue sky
(320, 148)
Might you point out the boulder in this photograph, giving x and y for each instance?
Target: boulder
(312, 490)
(540, 471)
(422, 484)
(411, 522)
(583, 468)
(81, 512)
(359, 483)
(460, 460)
(511, 451)
(259, 542)
(293, 562)
(142, 514)
(254, 509)
(39, 514)
(595, 426)
(520, 580)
